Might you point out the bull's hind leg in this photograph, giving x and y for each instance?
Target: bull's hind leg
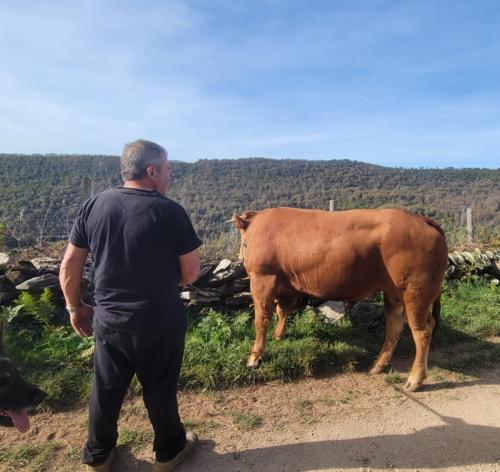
(422, 324)
(262, 288)
(284, 308)
(394, 323)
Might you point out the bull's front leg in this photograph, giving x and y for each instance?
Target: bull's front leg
(262, 294)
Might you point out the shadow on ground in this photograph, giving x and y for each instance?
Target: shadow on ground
(455, 443)
(450, 349)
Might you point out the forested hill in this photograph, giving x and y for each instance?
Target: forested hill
(38, 188)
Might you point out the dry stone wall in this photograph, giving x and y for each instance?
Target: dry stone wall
(221, 284)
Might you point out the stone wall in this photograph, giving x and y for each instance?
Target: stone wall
(219, 284)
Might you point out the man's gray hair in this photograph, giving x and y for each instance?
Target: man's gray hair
(138, 156)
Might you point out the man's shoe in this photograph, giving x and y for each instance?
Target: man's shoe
(104, 466)
(186, 453)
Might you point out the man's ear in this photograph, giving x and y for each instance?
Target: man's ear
(150, 171)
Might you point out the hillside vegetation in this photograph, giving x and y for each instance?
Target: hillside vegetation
(40, 193)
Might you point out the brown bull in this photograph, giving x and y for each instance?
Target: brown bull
(346, 255)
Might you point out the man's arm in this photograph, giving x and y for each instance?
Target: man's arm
(70, 278)
(190, 267)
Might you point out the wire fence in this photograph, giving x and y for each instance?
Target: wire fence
(37, 228)
(40, 226)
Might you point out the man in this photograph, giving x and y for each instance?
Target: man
(143, 246)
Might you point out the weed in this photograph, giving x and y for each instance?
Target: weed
(36, 456)
(327, 401)
(304, 408)
(246, 421)
(136, 410)
(436, 374)
(393, 377)
(135, 388)
(349, 367)
(72, 454)
(135, 440)
(202, 427)
(214, 396)
(84, 423)
(458, 377)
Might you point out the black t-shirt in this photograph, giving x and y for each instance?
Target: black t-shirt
(135, 238)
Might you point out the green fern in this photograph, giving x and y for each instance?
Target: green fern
(40, 309)
(8, 313)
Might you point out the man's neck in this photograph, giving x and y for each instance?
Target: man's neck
(139, 184)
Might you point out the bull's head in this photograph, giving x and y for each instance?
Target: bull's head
(242, 222)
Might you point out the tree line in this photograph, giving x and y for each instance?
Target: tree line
(40, 194)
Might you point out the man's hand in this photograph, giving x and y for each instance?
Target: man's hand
(81, 320)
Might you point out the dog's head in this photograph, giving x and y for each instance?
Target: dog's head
(17, 397)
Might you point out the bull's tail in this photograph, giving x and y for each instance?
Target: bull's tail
(436, 310)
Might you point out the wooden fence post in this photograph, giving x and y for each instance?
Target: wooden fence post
(88, 187)
(470, 229)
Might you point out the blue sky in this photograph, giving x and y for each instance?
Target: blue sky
(396, 83)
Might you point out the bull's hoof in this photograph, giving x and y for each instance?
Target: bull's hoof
(278, 337)
(412, 385)
(254, 361)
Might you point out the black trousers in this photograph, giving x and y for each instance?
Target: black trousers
(156, 360)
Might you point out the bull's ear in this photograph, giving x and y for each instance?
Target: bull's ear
(249, 214)
(239, 222)
(242, 222)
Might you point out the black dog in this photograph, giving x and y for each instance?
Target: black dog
(17, 397)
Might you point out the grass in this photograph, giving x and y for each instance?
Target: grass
(345, 398)
(137, 410)
(470, 315)
(472, 309)
(393, 377)
(37, 456)
(217, 346)
(327, 401)
(304, 408)
(246, 421)
(134, 440)
(56, 360)
(436, 374)
(202, 427)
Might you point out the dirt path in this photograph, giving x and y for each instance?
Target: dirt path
(347, 422)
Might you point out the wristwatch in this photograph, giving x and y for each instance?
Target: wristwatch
(73, 308)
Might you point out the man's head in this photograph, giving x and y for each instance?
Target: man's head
(146, 163)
